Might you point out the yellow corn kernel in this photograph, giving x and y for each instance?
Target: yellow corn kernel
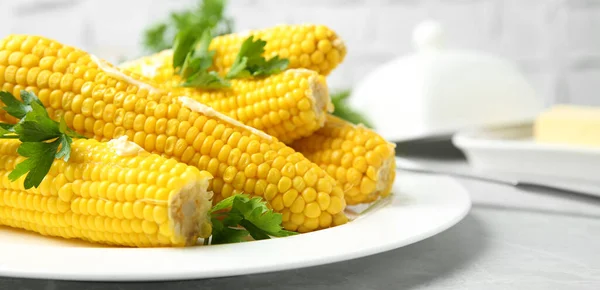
(95, 219)
(121, 91)
(361, 161)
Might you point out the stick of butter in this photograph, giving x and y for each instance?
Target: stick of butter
(569, 124)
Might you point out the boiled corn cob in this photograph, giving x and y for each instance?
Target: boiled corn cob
(134, 199)
(315, 47)
(100, 101)
(309, 46)
(288, 106)
(361, 161)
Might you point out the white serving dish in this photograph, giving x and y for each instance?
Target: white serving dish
(438, 91)
(511, 152)
(420, 207)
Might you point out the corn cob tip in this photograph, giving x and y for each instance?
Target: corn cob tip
(385, 178)
(135, 200)
(319, 94)
(188, 211)
(188, 207)
(362, 162)
(339, 45)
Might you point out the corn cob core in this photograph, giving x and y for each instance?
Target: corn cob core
(361, 161)
(140, 200)
(288, 106)
(99, 101)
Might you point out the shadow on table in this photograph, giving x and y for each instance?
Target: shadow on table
(410, 267)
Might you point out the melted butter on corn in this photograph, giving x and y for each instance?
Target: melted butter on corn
(117, 74)
(150, 70)
(210, 112)
(123, 147)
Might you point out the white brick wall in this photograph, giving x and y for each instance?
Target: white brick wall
(555, 42)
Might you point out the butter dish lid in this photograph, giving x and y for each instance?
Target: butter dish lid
(439, 91)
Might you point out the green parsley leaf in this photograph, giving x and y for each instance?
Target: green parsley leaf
(194, 69)
(29, 98)
(273, 66)
(238, 69)
(208, 13)
(182, 44)
(36, 125)
(226, 235)
(32, 131)
(246, 216)
(13, 106)
(223, 204)
(192, 25)
(206, 80)
(40, 156)
(154, 37)
(249, 61)
(344, 111)
(199, 58)
(7, 131)
(5, 134)
(62, 126)
(254, 231)
(284, 233)
(256, 212)
(43, 139)
(65, 148)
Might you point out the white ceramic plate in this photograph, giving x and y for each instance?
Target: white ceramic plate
(421, 206)
(511, 152)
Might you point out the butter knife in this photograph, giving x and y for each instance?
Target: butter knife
(530, 185)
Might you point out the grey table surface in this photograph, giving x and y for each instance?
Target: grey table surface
(511, 239)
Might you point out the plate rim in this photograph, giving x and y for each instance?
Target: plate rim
(385, 246)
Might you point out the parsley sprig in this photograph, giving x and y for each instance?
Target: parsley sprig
(192, 59)
(250, 61)
(43, 139)
(208, 13)
(344, 111)
(193, 66)
(239, 216)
